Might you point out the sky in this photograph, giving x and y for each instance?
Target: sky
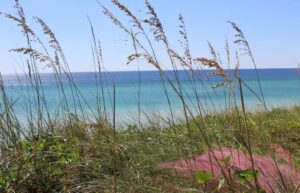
(272, 28)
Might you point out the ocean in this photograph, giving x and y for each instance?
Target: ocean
(145, 91)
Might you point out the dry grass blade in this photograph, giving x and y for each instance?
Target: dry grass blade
(147, 57)
(133, 57)
(180, 59)
(113, 18)
(237, 66)
(183, 33)
(219, 69)
(227, 53)
(134, 19)
(155, 24)
(241, 40)
(208, 62)
(32, 53)
(212, 51)
(47, 31)
(20, 22)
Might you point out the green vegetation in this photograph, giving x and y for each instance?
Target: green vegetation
(76, 158)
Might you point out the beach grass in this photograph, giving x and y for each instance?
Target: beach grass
(75, 158)
(75, 151)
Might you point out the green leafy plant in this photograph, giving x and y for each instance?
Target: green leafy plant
(246, 175)
(43, 160)
(203, 177)
(226, 160)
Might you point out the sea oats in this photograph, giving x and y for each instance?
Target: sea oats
(32, 53)
(133, 18)
(154, 22)
(47, 31)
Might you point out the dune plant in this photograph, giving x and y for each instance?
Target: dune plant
(78, 147)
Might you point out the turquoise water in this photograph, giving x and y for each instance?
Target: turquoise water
(281, 87)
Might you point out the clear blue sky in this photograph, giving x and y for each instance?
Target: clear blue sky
(271, 26)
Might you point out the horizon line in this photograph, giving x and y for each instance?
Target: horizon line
(112, 71)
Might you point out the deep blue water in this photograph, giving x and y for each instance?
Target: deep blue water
(280, 87)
